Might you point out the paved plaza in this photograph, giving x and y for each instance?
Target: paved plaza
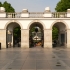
(35, 59)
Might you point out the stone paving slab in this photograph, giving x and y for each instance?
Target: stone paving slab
(34, 59)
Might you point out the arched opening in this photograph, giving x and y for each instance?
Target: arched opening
(36, 35)
(13, 35)
(59, 35)
(17, 36)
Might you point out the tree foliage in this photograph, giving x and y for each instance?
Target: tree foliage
(55, 33)
(33, 29)
(63, 5)
(17, 32)
(0, 4)
(7, 6)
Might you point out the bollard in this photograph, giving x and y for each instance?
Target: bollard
(0, 46)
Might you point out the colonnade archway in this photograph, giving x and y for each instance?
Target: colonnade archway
(59, 35)
(13, 35)
(36, 35)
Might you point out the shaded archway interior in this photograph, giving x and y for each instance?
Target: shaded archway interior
(62, 35)
(10, 41)
(36, 24)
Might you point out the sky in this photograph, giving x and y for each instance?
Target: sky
(32, 5)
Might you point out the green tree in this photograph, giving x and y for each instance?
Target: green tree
(17, 32)
(55, 33)
(33, 29)
(0, 4)
(8, 7)
(62, 5)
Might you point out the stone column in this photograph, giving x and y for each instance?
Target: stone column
(3, 38)
(25, 38)
(48, 38)
(68, 38)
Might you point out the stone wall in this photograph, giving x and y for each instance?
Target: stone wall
(3, 38)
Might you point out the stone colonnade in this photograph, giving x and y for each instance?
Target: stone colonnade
(25, 38)
(47, 38)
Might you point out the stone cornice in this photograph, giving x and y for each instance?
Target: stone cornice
(34, 18)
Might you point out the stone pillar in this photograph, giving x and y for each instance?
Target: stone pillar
(47, 13)
(24, 13)
(3, 38)
(48, 38)
(68, 13)
(25, 38)
(2, 12)
(68, 38)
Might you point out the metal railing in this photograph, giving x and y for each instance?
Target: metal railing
(38, 15)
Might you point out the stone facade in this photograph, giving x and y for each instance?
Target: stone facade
(24, 19)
